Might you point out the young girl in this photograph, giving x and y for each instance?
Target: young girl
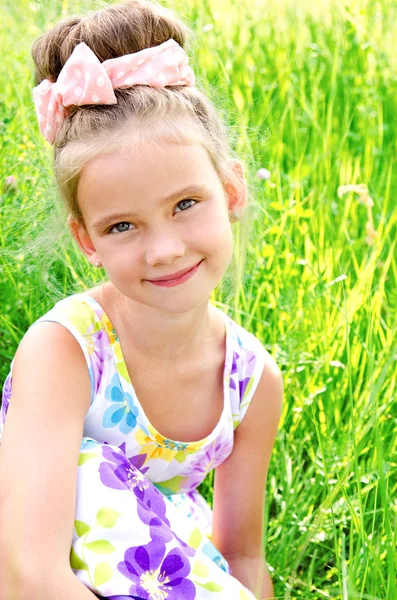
(121, 399)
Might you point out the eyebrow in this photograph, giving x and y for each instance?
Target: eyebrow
(190, 189)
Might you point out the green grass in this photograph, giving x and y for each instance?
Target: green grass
(311, 92)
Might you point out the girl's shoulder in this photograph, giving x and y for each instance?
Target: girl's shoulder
(78, 311)
(84, 318)
(80, 315)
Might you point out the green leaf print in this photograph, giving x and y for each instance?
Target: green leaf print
(81, 528)
(171, 486)
(82, 322)
(76, 562)
(180, 456)
(195, 538)
(122, 369)
(107, 517)
(84, 456)
(236, 420)
(103, 573)
(211, 586)
(200, 569)
(101, 547)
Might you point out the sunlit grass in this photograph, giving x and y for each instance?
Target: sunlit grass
(310, 89)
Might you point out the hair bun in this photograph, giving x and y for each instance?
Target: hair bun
(111, 32)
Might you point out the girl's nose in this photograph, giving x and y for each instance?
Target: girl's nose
(163, 248)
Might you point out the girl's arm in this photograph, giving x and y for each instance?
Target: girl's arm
(38, 466)
(59, 585)
(240, 486)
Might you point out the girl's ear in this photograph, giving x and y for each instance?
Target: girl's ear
(237, 193)
(82, 239)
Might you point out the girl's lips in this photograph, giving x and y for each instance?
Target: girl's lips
(173, 276)
(177, 279)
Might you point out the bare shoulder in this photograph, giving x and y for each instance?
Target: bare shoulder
(48, 349)
(50, 378)
(44, 426)
(271, 368)
(271, 383)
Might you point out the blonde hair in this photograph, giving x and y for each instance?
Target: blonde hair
(182, 114)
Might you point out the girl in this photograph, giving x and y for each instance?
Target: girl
(122, 398)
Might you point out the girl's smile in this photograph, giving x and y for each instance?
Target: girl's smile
(152, 213)
(176, 278)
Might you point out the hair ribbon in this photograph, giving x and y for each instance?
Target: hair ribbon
(85, 80)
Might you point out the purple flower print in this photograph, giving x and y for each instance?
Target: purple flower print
(122, 411)
(117, 471)
(160, 531)
(156, 574)
(138, 461)
(99, 354)
(6, 399)
(211, 456)
(247, 368)
(233, 371)
(119, 474)
(118, 597)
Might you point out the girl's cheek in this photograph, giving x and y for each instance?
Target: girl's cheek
(218, 228)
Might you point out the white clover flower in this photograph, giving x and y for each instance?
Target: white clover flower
(263, 174)
(10, 184)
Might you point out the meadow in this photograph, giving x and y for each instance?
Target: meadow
(310, 93)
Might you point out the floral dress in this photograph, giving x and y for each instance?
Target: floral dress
(142, 529)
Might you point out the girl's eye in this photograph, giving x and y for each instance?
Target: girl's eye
(124, 227)
(186, 207)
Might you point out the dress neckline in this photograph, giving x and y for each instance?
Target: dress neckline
(128, 387)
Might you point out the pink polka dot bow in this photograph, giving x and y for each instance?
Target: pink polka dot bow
(85, 80)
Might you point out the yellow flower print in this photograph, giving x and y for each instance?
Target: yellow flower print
(90, 344)
(158, 446)
(155, 449)
(110, 331)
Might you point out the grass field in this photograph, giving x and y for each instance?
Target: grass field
(311, 94)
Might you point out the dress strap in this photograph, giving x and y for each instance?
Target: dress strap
(78, 317)
(248, 358)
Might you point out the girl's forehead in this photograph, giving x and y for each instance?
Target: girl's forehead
(149, 159)
(148, 173)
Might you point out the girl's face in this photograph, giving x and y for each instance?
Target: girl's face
(152, 212)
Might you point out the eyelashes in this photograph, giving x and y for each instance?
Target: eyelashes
(188, 200)
(111, 232)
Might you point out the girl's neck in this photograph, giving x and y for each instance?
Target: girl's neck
(153, 336)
